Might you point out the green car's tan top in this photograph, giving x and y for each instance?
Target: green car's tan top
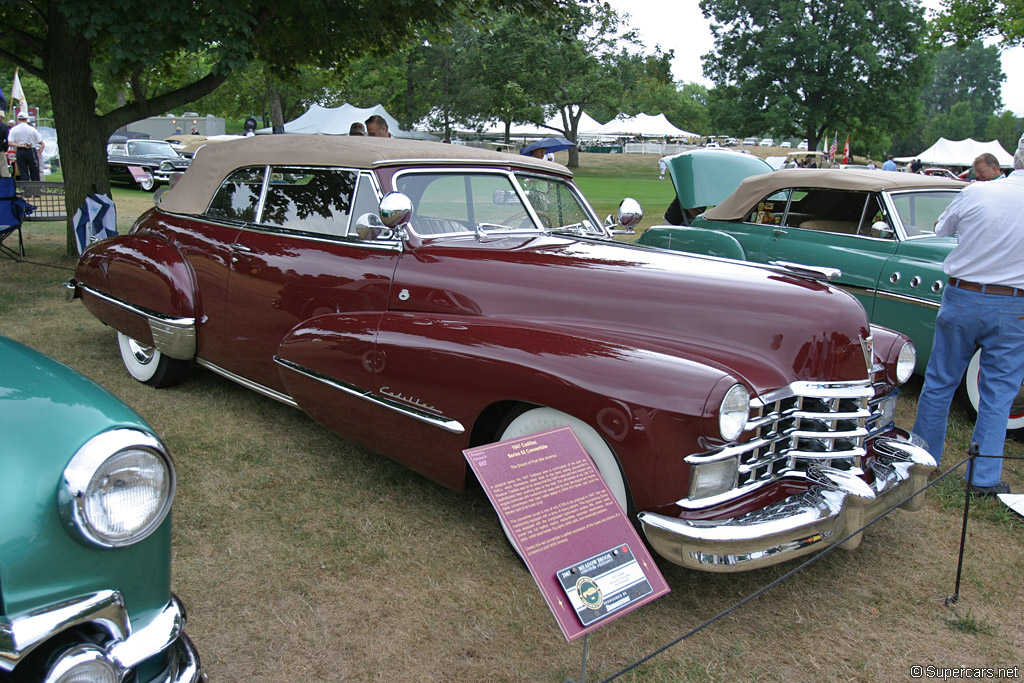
(193, 193)
(753, 189)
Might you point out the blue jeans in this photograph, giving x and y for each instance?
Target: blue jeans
(967, 320)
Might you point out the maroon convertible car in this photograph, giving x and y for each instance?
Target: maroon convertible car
(421, 299)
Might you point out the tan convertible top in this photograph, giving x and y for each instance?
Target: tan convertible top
(193, 193)
(755, 188)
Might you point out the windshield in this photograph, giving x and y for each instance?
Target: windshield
(155, 148)
(459, 201)
(918, 211)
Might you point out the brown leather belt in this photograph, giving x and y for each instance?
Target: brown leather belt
(1002, 290)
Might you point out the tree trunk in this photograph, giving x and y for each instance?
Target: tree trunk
(276, 112)
(68, 66)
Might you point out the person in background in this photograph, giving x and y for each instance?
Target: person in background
(983, 306)
(871, 165)
(249, 129)
(377, 127)
(29, 145)
(357, 128)
(5, 171)
(889, 164)
(986, 167)
(916, 166)
(662, 167)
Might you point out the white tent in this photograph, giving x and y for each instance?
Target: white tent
(961, 153)
(336, 121)
(643, 125)
(587, 127)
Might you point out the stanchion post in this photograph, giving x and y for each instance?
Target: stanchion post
(972, 456)
(583, 665)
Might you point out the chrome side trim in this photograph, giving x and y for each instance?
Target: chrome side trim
(913, 300)
(248, 384)
(173, 336)
(448, 425)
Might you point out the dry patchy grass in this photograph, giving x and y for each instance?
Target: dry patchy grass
(301, 557)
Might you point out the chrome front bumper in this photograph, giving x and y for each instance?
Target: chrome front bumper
(835, 506)
(126, 648)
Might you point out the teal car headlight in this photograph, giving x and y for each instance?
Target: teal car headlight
(117, 489)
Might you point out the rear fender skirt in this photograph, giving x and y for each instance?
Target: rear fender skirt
(140, 285)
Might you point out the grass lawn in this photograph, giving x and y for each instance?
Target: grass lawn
(302, 557)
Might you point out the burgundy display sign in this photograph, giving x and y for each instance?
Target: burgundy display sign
(585, 556)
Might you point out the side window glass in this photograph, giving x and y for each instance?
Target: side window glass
(825, 210)
(769, 210)
(238, 195)
(366, 223)
(313, 200)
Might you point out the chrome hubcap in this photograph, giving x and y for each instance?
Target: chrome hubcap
(143, 354)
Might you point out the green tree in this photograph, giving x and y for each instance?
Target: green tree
(965, 21)
(972, 74)
(813, 66)
(161, 57)
(1006, 128)
(574, 70)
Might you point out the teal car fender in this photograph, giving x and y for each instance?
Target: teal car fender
(695, 240)
(77, 557)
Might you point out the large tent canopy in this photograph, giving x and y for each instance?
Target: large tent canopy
(336, 121)
(961, 153)
(587, 128)
(644, 125)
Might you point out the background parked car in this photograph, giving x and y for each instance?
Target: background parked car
(85, 541)
(875, 228)
(144, 163)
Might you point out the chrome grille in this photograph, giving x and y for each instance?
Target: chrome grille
(793, 428)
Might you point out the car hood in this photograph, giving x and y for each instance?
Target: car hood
(704, 177)
(765, 326)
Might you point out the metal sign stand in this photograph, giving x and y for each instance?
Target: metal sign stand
(583, 665)
(972, 456)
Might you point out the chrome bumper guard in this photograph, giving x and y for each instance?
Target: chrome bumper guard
(126, 649)
(836, 505)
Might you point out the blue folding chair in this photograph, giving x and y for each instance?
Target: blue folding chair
(13, 210)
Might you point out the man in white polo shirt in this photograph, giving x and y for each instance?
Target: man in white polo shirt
(982, 306)
(29, 145)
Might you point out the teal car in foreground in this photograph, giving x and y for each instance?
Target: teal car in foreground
(85, 534)
(867, 231)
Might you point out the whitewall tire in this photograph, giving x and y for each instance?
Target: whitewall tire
(970, 389)
(148, 365)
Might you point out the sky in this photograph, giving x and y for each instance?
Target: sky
(679, 25)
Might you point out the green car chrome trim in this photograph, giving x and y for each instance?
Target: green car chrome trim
(916, 301)
(453, 426)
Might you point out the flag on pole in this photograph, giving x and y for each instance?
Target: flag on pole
(846, 151)
(835, 146)
(17, 94)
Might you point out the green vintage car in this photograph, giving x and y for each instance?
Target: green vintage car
(868, 231)
(85, 534)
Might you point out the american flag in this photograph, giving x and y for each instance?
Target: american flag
(835, 146)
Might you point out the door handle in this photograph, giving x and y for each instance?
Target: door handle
(778, 232)
(235, 246)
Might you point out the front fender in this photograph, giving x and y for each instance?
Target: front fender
(142, 286)
(693, 240)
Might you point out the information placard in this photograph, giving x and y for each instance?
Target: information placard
(582, 551)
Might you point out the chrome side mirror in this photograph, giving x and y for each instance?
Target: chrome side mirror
(881, 229)
(395, 209)
(629, 216)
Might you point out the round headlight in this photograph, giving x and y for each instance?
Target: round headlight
(734, 411)
(166, 166)
(906, 362)
(83, 664)
(117, 489)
